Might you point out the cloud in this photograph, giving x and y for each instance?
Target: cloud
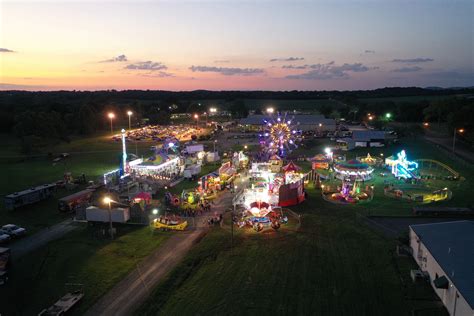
(330, 71)
(222, 61)
(412, 60)
(407, 69)
(12, 86)
(294, 67)
(369, 51)
(119, 58)
(287, 59)
(160, 74)
(147, 65)
(6, 50)
(227, 71)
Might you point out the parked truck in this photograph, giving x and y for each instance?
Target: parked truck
(118, 215)
(69, 203)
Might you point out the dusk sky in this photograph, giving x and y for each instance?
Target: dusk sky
(235, 45)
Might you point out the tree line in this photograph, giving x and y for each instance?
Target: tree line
(38, 118)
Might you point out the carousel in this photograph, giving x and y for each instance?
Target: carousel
(353, 170)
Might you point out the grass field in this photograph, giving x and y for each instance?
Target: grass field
(302, 105)
(92, 156)
(38, 279)
(334, 265)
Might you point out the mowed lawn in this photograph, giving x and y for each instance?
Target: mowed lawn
(38, 279)
(333, 265)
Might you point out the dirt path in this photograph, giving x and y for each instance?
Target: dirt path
(41, 238)
(125, 297)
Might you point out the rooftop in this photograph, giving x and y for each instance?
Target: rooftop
(31, 190)
(367, 135)
(452, 246)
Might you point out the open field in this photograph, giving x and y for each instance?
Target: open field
(252, 104)
(92, 156)
(38, 279)
(334, 265)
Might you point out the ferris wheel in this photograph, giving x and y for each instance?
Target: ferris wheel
(280, 134)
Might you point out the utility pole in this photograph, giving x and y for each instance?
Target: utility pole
(461, 130)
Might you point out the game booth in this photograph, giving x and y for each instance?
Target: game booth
(320, 161)
(210, 182)
(276, 163)
(240, 160)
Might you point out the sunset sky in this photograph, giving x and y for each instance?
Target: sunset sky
(230, 45)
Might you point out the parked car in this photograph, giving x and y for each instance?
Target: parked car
(14, 230)
(4, 237)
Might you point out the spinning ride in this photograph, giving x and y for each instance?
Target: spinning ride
(353, 170)
(261, 215)
(350, 193)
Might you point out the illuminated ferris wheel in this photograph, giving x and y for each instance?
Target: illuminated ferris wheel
(280, 134)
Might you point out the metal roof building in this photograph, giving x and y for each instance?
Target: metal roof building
(446, 252)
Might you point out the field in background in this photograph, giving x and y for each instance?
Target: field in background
(252, 104)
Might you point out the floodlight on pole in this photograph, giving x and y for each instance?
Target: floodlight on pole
(129, 113)
(111, 117)
(108, 200)
(196, 117)
(460, 131)
(270, 110)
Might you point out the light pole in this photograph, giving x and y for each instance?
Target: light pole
(108, 200)
(111, 117)
(129, 113)
(215, 141)
(460, 131)
(196, 117)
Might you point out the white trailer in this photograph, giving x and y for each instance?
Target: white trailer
(191, 171)
(119, 215)
(192, 149)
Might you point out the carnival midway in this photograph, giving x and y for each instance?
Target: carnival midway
(183, 176)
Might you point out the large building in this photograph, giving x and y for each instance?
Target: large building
(365, 138)
(446, 252)
(306, 122)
